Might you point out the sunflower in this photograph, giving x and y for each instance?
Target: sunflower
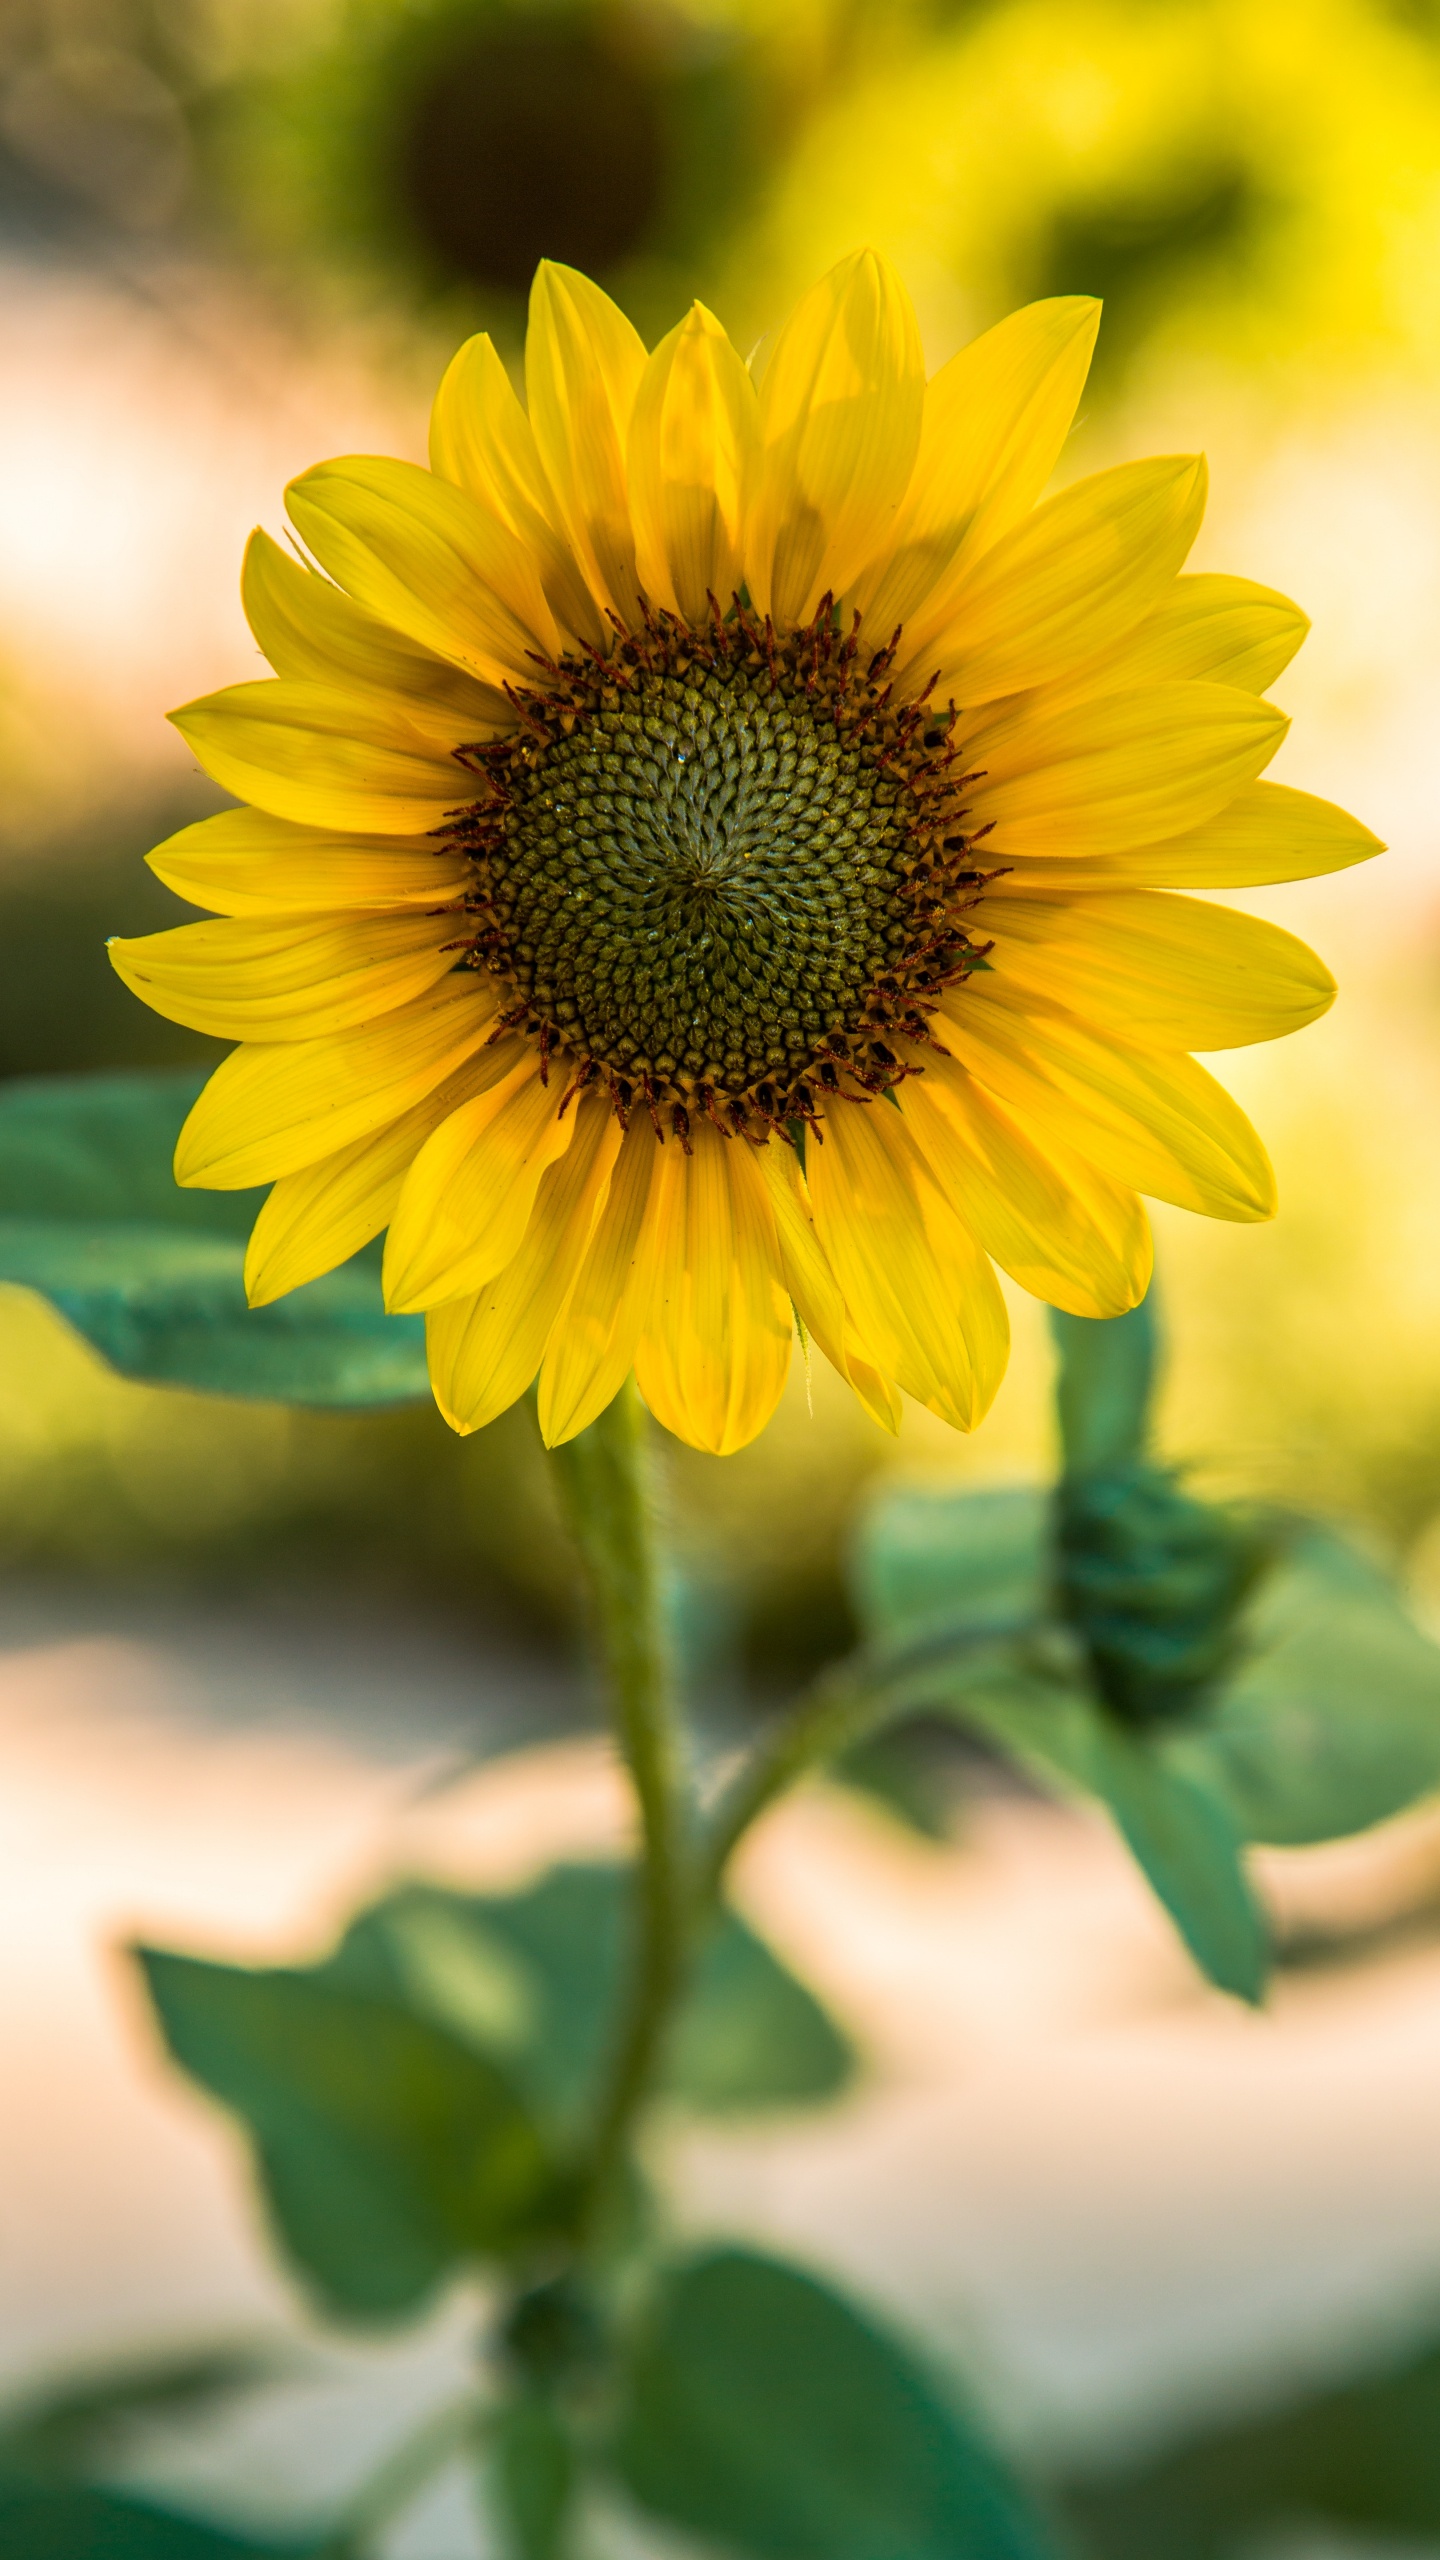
(710, 863)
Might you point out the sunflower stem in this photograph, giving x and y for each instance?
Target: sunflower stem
(605, 1475)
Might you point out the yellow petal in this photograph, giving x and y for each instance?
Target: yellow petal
(583, 364)
(921, 1292)
(814, 1289)
(315, 1219)
(307, 628)
(481, 439)
(1173, 972)
(484, 1351)
(694, 443)
(422, 555)
(1073, 577)
(1226, 630)
(243, 863)
(322, 757)
(1098, 777)
(275, 1106)
(1150, 1118)
(592, 1347)
(468, 1196)
(714, 1349)
(996, 417)
(1057, 1226)
(244, 979)
(1267, 832)
(841, 398)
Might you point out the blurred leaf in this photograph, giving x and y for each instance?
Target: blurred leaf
(1178, 1828)
(937, 1565)
(896, 1771)
(536, 1978)
(66, 2427)
(933, 1560)
(1104, 1386)
(388, 2150)
(152, 1276)
(1333, 1720)
(532, 2478)
(1366, 2455)
(91, 2524)
(763, 2412)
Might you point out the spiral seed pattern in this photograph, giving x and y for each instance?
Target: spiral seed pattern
(702, 882)
(714, 870)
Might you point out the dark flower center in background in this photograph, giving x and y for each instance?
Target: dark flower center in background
(531, 141)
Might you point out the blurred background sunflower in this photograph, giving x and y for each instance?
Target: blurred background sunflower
(235, 234)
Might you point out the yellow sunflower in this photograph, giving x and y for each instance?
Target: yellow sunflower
(709, 865)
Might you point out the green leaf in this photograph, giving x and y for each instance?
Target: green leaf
(65, 2429)
(92, 1218)
(930, 1560)
(761, 2411)
(389, 2151)
(535, 1979)
(1177, 1826)
(1333, 1720)
(1104, 1386)
(532, 2479)
(91, 2524)
(1365, 2456)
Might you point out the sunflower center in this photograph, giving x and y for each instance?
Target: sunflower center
(715, 870)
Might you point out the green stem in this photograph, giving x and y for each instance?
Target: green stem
(403, 2474)
(839, 1710)
(842, 1707)
(606, 1479)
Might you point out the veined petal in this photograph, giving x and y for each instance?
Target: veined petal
(1175, 972)
(921, 1292)
(1096, 778)
(468, 1196)
(422, 555)
(1267, 832)
(315, 1219)
(714, 1348)
(274, 1106)
(1226, 630)
(996, 417)
(481, 439)
(1072, 578)
(309, 629)
(324, 758)
(814, 1289)
(1150, 1118)
(583, 364)
(254, 979)
(1050, 1219)
(841, 399)
(243, 863)
(592, 1346)
(484, 1351)
(694, 446)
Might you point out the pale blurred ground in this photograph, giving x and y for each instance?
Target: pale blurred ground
(1114, 2197)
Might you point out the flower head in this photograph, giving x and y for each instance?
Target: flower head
(711, 861)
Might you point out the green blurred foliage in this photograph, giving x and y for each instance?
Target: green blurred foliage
(420, 2100)
(762, 2412)
(1364, 2455)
